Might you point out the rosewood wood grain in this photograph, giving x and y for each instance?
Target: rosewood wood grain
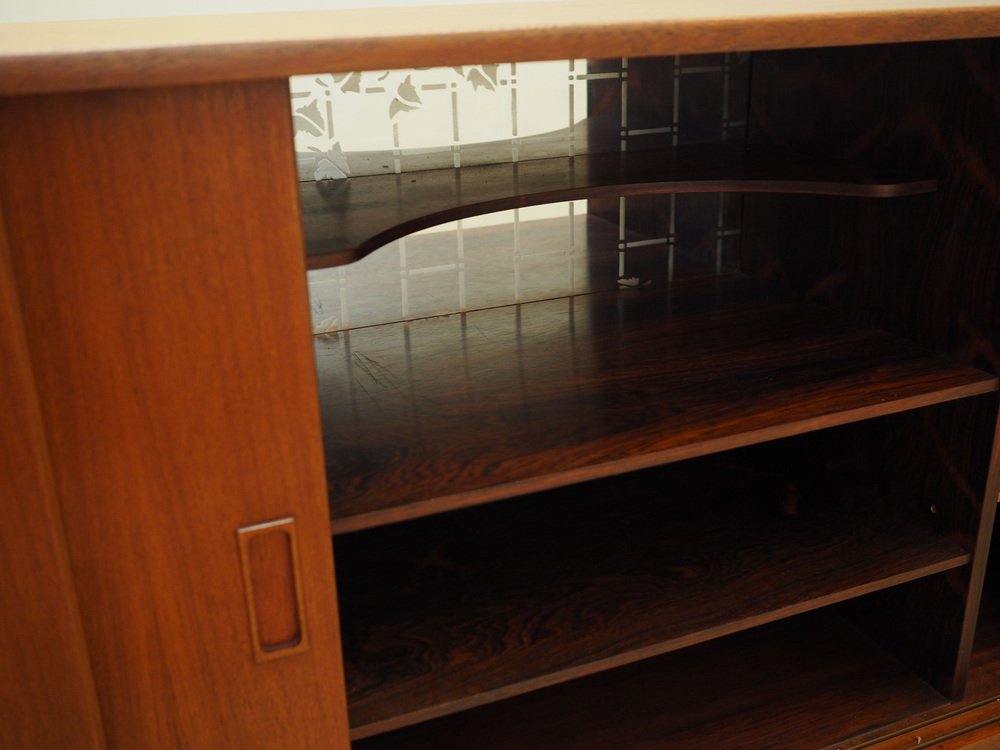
(926, 268)
(345, 220)
(167, 323)
(928, 271)
(950, 725)
(919, 723)
(456, 611)
(47, 695)
(130, 53)
(954, 452)
(799, 684)
(449, 412)
(936, 462)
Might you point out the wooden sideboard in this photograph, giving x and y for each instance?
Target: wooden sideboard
(170, 503)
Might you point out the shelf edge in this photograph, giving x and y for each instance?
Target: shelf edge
(658, 649)
(324, 252)
(431, 506)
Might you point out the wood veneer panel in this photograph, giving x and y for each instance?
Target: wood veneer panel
(980, 706)
(453, 611)
(126, 53)
(436, 414)
(347, 219)
(798, 684)
(47, 696)
(926, 269)
(944, 459)
(771, 696)
(167, 323)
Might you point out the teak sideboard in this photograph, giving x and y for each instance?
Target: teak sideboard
(739, 509)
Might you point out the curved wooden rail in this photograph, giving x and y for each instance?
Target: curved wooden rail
(346, 220)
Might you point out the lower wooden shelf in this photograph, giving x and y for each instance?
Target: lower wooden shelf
(800, 684)
(455, 611)
(857, 699)
(970, 724)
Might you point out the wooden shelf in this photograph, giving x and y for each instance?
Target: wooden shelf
(345, 220)
(456, 611)
(814, 666)
(743, 692)
(857, 697)
(449, 412)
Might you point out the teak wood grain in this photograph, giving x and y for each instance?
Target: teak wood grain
(345, 220)
(167, 325)
(456, 611)
(438, 414)
(771, 698)
(47, 695)
(126, 53)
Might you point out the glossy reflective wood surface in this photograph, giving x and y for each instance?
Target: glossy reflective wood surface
(864, 700)
(449, 412)
(345, 220)
(928, 270)
(462, 609)
(758, 689)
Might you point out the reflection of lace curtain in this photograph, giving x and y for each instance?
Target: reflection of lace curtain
(401, 120)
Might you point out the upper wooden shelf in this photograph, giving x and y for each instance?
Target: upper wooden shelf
(449, 412)
(129, 53)
(345, 220)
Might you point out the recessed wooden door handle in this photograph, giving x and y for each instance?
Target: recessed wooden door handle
(271, 578)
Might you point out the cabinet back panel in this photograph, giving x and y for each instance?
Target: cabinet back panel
(926, 268)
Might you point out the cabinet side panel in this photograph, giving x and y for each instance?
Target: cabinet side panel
(47, 696)
(940, 466)
(155, 239)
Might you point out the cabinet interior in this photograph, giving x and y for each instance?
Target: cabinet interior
(715, 483)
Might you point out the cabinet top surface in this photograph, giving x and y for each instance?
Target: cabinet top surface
(126, 53)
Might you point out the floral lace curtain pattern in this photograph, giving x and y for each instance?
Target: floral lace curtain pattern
(355, 124)
(374, 122)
